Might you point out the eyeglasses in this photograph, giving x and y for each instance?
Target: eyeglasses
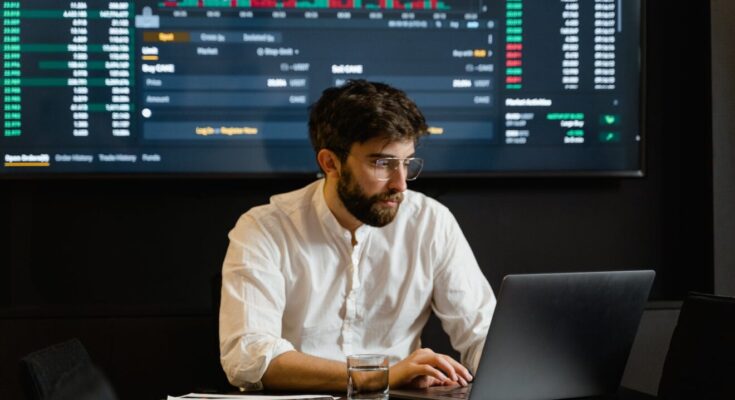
(384, 168)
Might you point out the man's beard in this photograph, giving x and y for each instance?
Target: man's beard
(366, 209)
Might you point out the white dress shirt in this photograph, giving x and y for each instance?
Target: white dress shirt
(292, 280)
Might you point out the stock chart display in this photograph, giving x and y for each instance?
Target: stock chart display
(224, 86)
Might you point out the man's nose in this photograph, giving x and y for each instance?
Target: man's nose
(397, 180)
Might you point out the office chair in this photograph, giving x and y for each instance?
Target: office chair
(63, 372)
(700, 363)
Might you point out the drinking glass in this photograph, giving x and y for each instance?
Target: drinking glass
(367, 376)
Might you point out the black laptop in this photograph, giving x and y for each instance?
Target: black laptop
(555, 336)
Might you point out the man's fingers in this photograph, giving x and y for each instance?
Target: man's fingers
(460, 369)
(451, 367)
(423, 382)
(429, 366)
(445, 365)
(428, 370)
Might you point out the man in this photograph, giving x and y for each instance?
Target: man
(353, 263)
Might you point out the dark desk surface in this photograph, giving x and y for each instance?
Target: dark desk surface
(623, 394)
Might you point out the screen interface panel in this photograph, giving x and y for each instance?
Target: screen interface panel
(224, 86)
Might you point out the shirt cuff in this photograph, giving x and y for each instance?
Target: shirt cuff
(247, 369)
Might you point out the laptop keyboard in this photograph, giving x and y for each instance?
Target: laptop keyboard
(458, 392)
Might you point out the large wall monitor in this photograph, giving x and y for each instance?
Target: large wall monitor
(223, 86)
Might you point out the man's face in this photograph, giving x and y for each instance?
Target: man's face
(368, 199)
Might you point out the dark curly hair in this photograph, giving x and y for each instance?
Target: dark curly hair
(359, 111)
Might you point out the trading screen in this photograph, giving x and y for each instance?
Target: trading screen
(224, 86)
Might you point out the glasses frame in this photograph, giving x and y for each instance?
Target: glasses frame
(379, 169)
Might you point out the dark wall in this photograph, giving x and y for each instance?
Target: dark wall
(130, 266)
(723, 144)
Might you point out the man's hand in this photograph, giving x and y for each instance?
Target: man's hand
(424, 368)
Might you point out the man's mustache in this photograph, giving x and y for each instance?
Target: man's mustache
(397, 197)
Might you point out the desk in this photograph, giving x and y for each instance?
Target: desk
(623, 394)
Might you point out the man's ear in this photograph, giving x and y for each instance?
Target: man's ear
(328, 161)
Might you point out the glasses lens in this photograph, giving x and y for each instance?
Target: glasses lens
(413, 169)
(386, 167)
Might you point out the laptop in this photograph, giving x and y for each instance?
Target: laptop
(555, 336)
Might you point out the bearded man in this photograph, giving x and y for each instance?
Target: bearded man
(352, 263)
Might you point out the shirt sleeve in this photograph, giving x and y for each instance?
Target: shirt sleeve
(462, 297)
(253, 300)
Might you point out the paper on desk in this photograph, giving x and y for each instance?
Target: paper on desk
(203, 396)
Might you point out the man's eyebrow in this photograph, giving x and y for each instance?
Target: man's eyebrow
(386, 155)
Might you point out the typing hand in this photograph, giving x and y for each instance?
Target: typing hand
(424, 368)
